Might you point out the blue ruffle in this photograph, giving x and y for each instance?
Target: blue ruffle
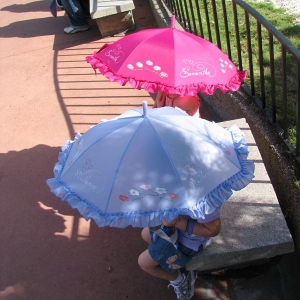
(205, 206)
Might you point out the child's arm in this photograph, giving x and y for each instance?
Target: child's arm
(160, 100)
(208, 229)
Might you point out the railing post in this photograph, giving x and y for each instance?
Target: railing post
(261, 67)
(298, 111)
(284, 92)
(250, 53)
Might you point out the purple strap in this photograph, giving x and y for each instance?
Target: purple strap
(190, 226)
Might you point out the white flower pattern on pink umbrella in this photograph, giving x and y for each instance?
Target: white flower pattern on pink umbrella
(225, 65)
(149, 66)
(130, 66)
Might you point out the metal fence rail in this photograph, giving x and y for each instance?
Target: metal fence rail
(243, 34)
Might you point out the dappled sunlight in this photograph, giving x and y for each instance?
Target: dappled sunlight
(135, 165)
(11, 292)
(254, 220)
(83, 231)
(212, 286)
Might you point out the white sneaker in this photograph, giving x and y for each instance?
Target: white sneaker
(185, 290)
(73, 29)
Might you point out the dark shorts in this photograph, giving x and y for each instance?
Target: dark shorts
(167, 256)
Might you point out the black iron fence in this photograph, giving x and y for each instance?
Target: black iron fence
(252, 43)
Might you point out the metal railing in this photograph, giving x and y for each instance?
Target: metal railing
(244, 35)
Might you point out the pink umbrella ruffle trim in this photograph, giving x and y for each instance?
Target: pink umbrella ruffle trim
(154, 87)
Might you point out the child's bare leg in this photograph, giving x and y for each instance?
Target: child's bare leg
(146, 235)
(150, 266)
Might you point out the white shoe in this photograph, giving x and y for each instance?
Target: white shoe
(73, 29)
(185, 290)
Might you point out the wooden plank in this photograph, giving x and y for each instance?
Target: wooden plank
(115, 24)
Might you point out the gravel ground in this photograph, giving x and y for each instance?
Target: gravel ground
(290, 6)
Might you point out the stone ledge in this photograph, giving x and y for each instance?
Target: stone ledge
(100, 8)
(253, 226)
(112, 17)
(279, 164)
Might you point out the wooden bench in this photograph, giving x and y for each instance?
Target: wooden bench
(112, 17)
(253, 226)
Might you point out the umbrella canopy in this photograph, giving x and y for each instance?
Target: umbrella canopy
(168, 60)
(151, 164)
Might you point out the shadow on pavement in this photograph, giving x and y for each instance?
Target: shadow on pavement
(34, 6)
(50, 252)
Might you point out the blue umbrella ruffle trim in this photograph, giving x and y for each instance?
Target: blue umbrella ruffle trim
(206, 205)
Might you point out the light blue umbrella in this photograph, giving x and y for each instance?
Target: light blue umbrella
(149, 164)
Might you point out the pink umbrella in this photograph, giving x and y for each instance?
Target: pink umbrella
(167, 60)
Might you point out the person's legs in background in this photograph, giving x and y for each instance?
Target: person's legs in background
(76, 14)
(85, 4)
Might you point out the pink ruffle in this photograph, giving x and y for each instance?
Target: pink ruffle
(154, 87)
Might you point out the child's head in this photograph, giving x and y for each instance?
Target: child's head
(186, 103)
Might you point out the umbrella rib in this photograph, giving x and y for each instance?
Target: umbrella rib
(204, 137)
(96, 141)
(166, 152)
(120, 161)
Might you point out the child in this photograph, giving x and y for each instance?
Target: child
(190, 104)
(163, 260)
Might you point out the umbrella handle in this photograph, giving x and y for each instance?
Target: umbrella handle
(145, 109)
(172, 22)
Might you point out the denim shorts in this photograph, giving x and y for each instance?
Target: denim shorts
(167, 256)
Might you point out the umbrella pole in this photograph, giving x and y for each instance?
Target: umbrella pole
(172, 22)
(145, 109)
